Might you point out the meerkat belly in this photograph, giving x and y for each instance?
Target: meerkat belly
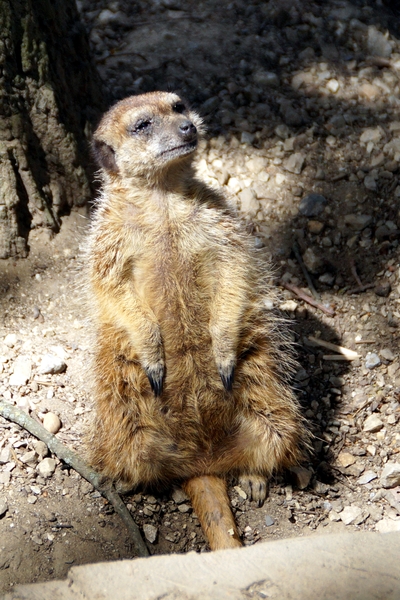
(178, 289)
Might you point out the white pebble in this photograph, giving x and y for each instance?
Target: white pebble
(51, 422)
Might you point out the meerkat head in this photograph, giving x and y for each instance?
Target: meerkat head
(143, 135)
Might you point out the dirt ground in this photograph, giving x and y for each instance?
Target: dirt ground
(299, 98)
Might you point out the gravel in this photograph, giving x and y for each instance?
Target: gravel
(301, 104)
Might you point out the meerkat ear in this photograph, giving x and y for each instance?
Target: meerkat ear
(104, 155)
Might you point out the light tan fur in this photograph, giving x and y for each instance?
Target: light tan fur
(178, 302)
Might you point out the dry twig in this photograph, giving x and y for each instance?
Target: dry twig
(14, 414)
(360, 286)
(303, 296)
(310, 283)
(343, 353)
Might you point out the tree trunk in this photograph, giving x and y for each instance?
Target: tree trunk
(49, 96)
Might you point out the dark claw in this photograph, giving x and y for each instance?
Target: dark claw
(156, 379)
(226, 374)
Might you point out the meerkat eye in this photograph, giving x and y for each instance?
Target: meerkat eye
(179, 107)
(140, 126)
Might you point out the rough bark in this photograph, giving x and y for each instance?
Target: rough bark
(49, 96)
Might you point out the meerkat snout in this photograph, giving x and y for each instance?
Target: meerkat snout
(187, 131)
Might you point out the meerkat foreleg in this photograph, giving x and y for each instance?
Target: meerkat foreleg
(226, 314)
(126, 310)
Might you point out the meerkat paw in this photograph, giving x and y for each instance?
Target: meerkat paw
(255, 486)
(226, 370)
(155, 373)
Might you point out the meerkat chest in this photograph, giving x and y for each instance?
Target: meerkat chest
(175, 258)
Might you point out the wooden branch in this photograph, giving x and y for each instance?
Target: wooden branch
(344, 352)
(303, 296)
(14, 414)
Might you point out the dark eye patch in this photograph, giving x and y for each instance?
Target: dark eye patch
(179, 107)
(141, 126)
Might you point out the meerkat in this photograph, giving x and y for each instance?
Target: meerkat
(190, 366)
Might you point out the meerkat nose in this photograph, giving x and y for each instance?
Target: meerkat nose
(187, 130)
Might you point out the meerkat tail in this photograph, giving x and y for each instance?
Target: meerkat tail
(211, 504)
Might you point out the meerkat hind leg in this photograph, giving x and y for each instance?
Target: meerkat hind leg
(255, 486)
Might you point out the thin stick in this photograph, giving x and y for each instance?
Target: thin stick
(339, 357)
(296, 251)
(354, 273)
(300, 294)
(14, 414)
(363, 288)
(350, 354)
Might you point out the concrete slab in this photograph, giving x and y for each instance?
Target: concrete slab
(363, 566)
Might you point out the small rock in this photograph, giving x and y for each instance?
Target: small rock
(390, 476)
(372, 360)
(392, 369)
(369, 91)
(294, 164)
(313, 262)
(29, 458)
(377, 161)
(345, 459)
(22, 371)
(370, 183)
(184, 508)
(5, 478)
(291, 115)
(31, 499)
(387, 525)
(179, 496)
(355, 470)
(41, 449)
(350, 514)
(10, 340)
(51, 365)
(334, 516)
(382, 233)
(371, 135)
(315, 227)
(247, 137)
(248, 202)
(387, 354)
(383, 289)
(289, 306)
(5, 455)
(210, 105)
(367, 477)
(301, 477)
(51, 422)
(256, 164)
(36, 539)
(327, 279)
(240, 492)
(378, 45)
(3, 506)
(266, 78)
(282, 131)
(372, 424)
(358, 222)
(333, 85)
(269, 521)
(312, 205)
(46, 467)
(150, 532)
